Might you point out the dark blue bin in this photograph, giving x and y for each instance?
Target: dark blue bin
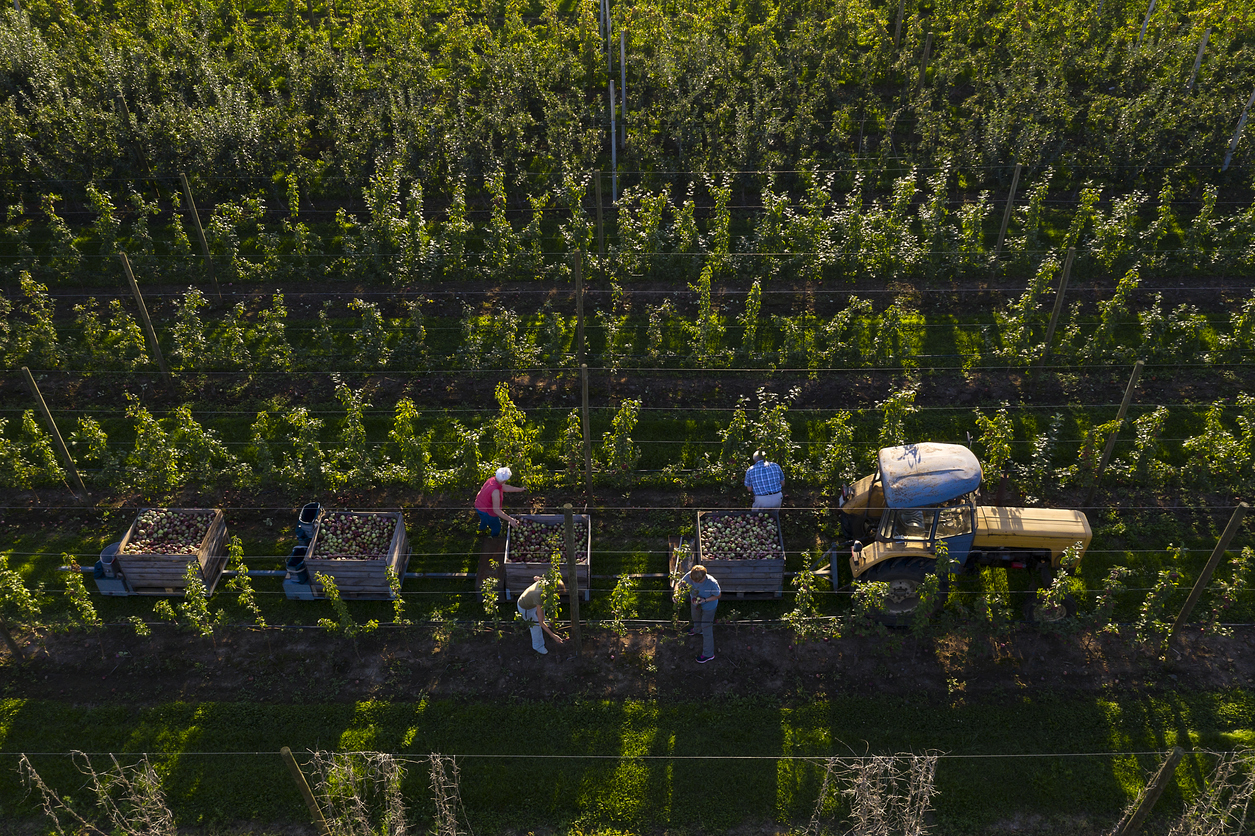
(305, 522)
(296, 565)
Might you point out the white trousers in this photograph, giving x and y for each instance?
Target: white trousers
(538, 635)
(772, 500)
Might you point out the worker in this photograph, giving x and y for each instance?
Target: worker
(765, 480)
(488, 502)
(703, 598)
(531, 607)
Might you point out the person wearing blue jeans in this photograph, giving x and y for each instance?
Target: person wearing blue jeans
(703, 598)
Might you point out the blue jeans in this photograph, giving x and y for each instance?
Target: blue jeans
(490, 522)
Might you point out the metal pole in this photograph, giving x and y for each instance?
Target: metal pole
(1111, 440)
(148, 323)
(52, 428)
(200, 233)
(614, 152)
(573, 579)
(923, 63)
(1133, 824)
(1198, 61)
(1226, 538)
(1054, 315)
(622, 92)
(1237, 135)
(601, 230)
(579, 306)
(303, 785)
(588, 439)
(1006, 214)
(1150, 11)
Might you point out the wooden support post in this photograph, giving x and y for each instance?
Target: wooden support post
(1111, 440)
(52, 429)
(1198, 60)
(200, 233)
(923, 61)
(1217, 554)
(601, 230)
(897, 29)
(1237, 135)
(148, 323)
(579, 306)
(1133, 822)
(588, 439)
(303, 785)
(1054, 315)
(1006, 213)
(1145, 21)
(573, 579)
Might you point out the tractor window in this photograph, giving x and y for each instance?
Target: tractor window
(908, 524)
(954, 521)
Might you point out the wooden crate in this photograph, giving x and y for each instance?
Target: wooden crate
(166, 574)
(360, 578)
(741, 577)
(519, 576)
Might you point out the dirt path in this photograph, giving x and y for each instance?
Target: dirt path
(307, 665)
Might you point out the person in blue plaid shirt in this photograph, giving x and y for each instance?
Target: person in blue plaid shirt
(765, 480)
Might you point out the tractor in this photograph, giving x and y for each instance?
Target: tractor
(926, 494)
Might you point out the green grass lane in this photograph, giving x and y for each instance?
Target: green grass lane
(1041, 754)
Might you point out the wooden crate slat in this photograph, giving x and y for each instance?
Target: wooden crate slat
(360, 578)
(165, 574)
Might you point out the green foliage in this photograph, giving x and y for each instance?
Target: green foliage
(618, 454)
(1225, 456)
(706, 331)
(1105, 600)
(1142, 466)
(1018, 320)
(191, 347)
(804, 619)
(622, 604)
(80, 599)
(770, 431)
(343, 623)
(515, 442)
(414, 446)
(837, 464)
(194, 608)
(490, 594)
(1153, 626)
(1102, 344)
(370, 341)
(868, 602)
(1226, 595)
(354, 465)
(894, 411)
(1039, 475)
(18, 605)
(997, 432)
(550, 594)
(28, 459)
(749, 321)
(398, 600)
(240, 583)
(572, 447)
(34, 339)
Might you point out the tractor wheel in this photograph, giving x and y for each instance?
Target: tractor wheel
(905, 576)
(1035, 613)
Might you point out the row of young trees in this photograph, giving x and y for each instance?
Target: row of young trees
(627, 332)
(297, 448)
(319, 92)
(917, 229)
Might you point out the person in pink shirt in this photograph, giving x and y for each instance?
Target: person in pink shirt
(488, 502)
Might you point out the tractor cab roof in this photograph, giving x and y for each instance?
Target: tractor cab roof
(929, 473)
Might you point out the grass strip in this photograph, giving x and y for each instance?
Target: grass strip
(1059, 756)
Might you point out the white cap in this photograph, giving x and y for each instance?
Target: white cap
(504, 474)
